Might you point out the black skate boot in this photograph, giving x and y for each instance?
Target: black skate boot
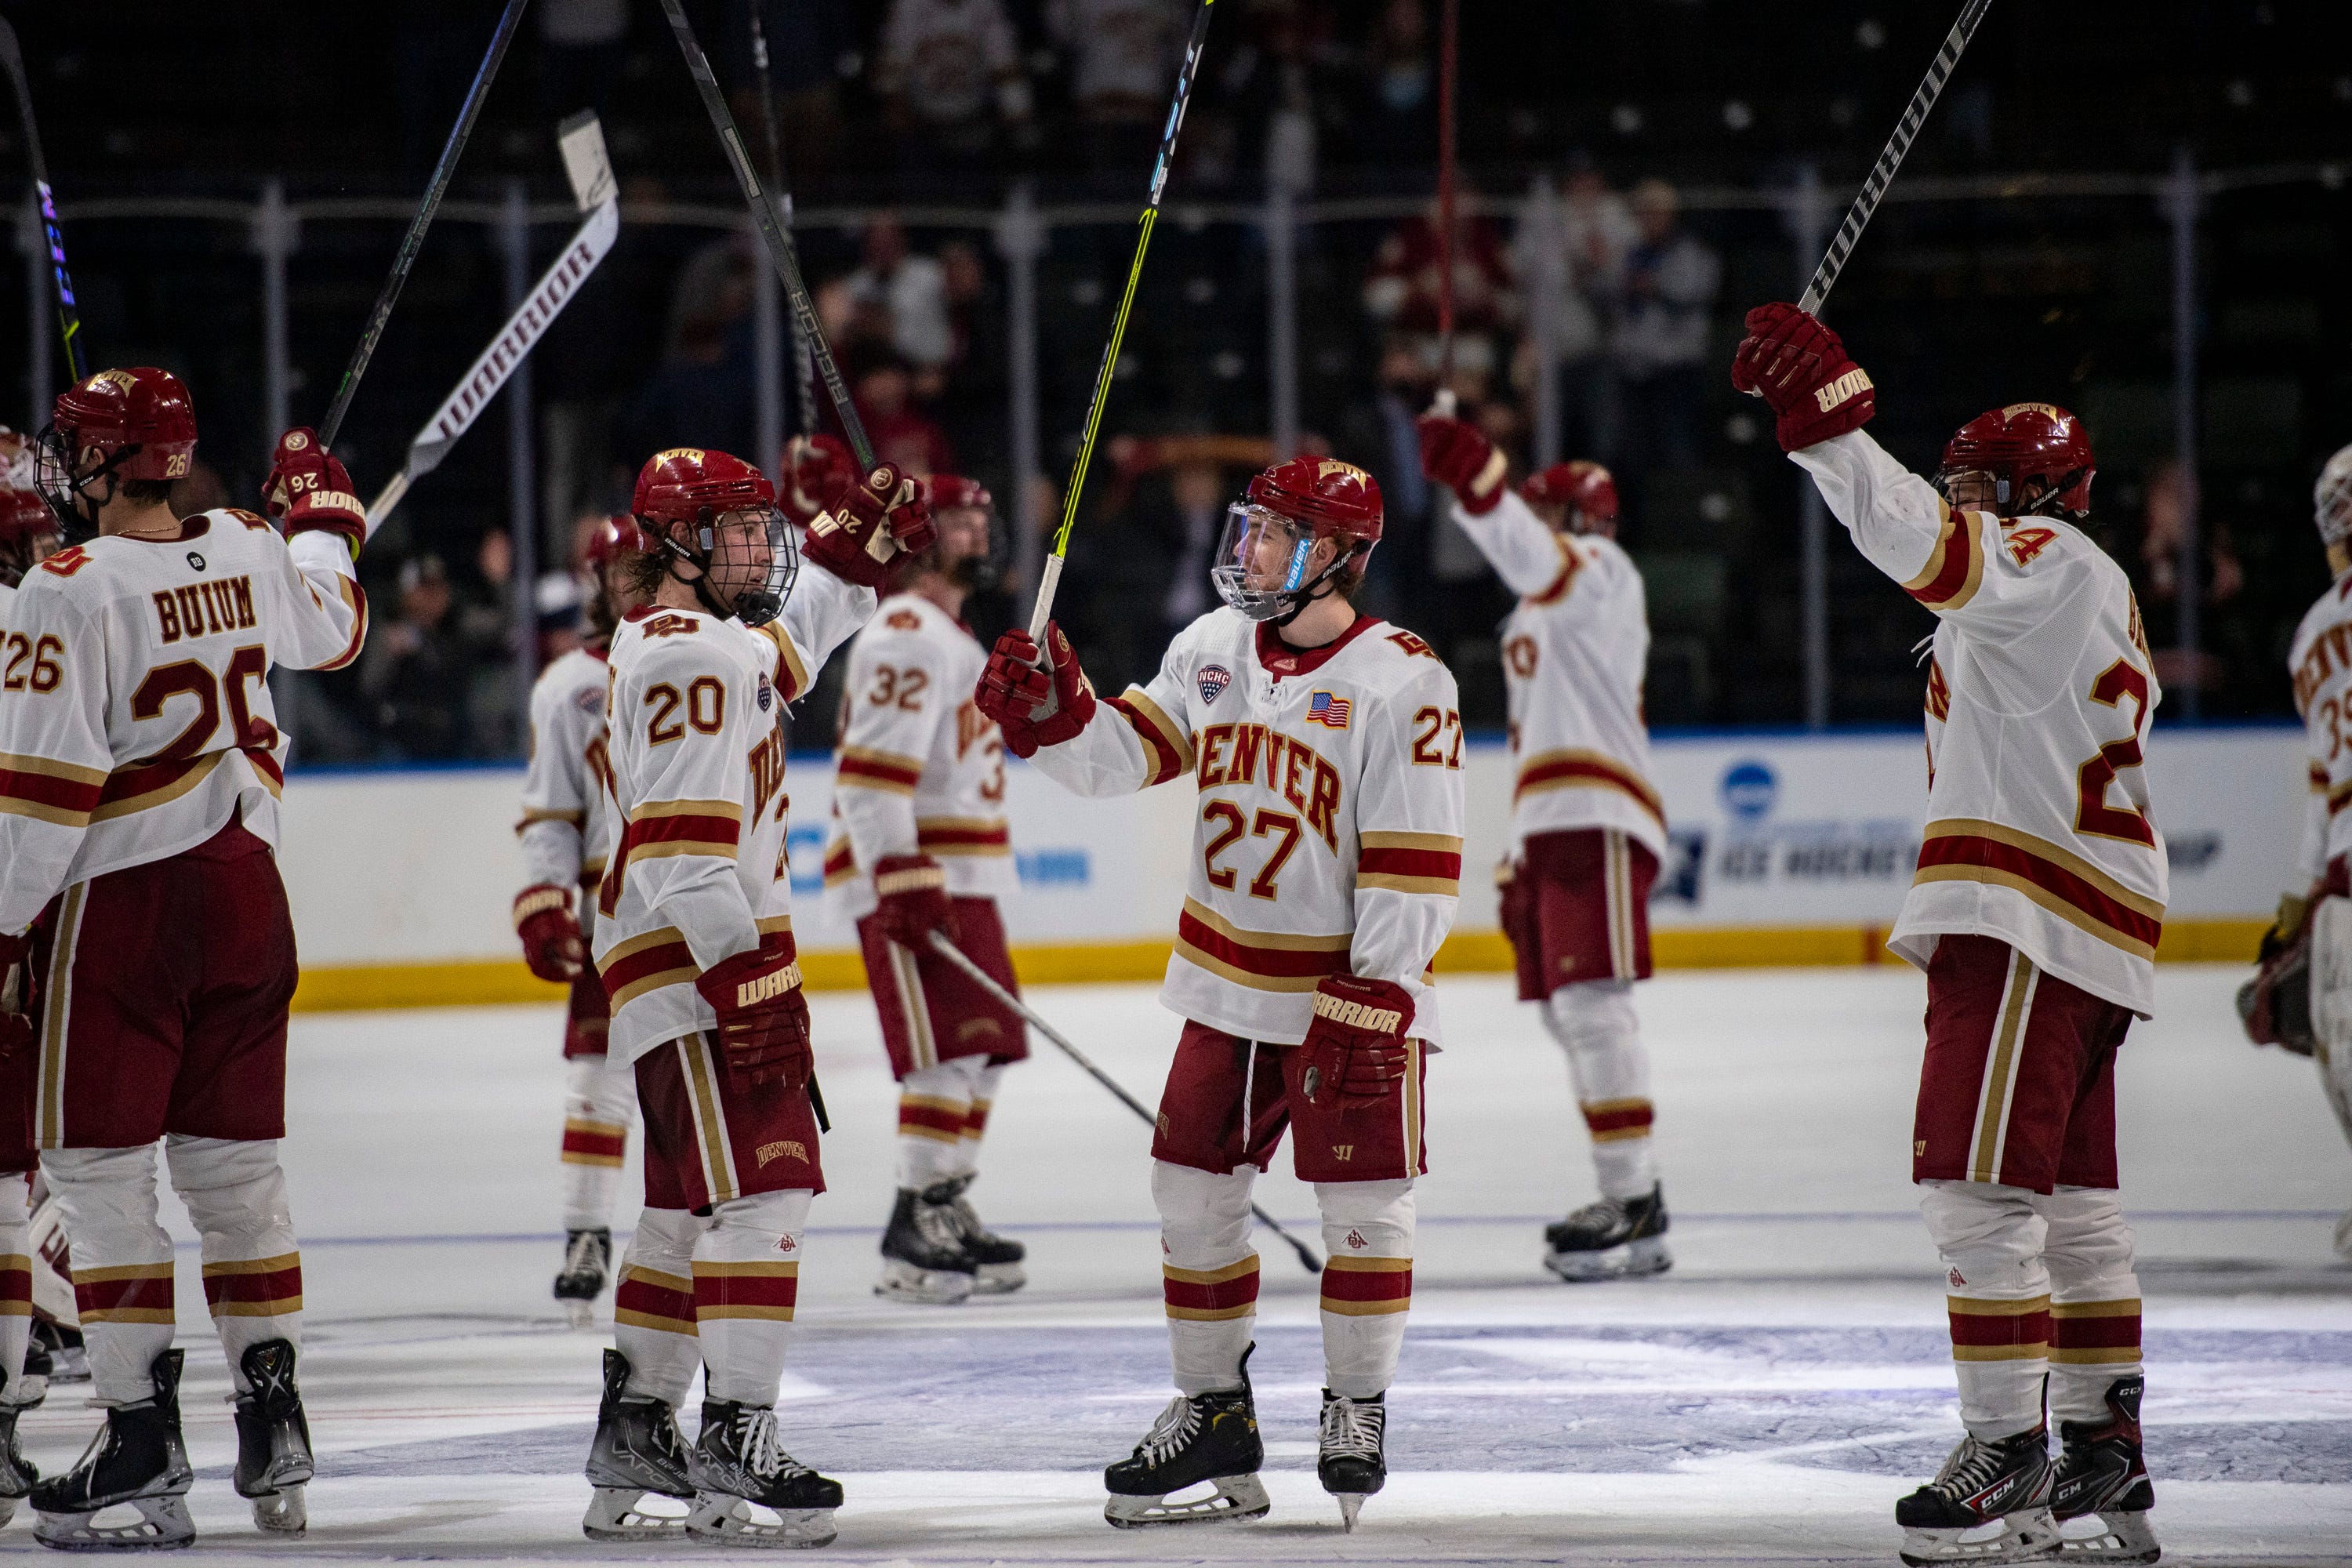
(31, 1391)
(1612, 1240)
(63, 1356)
(1352, 1459)
(136, 1458)
(1989, 1503)
(923, 1254)
(2102, 1475)
(738, 1463)
(587, 1256)
(273, 1440)
(17, 1472)
(996, 1260)
(638, 1450)
(1209, 1437)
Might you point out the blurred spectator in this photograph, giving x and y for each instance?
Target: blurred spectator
(414, 674)
(1378, 437)
(583, 45)
(810, 45)
(1269, 90)
(701, 396)
(1395, 122)
(1669, 282)
(2220, 578)
(912, 290)
(1122, 57)
(484, 628)
(1583, 258)
(1402, 289)
(948, 68)
(883, 387)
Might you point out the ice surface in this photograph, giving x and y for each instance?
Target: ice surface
(1766, 1401)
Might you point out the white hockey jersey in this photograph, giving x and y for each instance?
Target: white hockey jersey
(567, 827)
(2040, 692)
(699, 871)
(1329, 834)
(135, 717)
(2320, 661)
(1574, 653)
(920, 768)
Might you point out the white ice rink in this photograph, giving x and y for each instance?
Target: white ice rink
(1766, 1401)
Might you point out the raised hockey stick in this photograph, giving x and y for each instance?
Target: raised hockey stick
(1446, 74)
(1003, 998)
(414, 241)
(591, 174)
(781, 250)
(1051, 577)
(804, 368)
(12, 56)
(1890, 158)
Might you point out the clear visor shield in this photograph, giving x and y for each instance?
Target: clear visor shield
(751, 562)
(1265, 562)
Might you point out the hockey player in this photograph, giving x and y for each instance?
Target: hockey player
(1326, 748)
(2035, 912)
(2320, 662)
(920, 844)
(29, 530)
(1587, 828)
(142, 797)
(694, 943)
(818, 471)
(567, 832)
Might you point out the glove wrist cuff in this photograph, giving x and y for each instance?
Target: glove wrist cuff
(1485, 490)
(920, 875)
(539, 900)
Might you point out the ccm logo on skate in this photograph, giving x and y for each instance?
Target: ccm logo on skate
(1355, 1015)
(777, 1150)
(1845, 386)
(759, 988)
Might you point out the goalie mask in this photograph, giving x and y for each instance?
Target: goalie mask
(134, 424)
(1304, 529)
(973, 547)
(717, 513)
(2331, 500)
(2036, 457)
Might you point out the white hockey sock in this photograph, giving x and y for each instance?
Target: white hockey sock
(15, 1280)
(747, 1269)
(1208, 1273)
(975, 1120)
(1609, 1068)
(600, 1098)
(1990, 1238)
(121, 1264)
(934, 1102)
(2094, 1300)
(1367, 1283)
(653, 1306)
(236, 1194)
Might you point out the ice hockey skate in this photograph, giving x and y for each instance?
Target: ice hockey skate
(2103, 1477)
(1205, 1439)
(996, 1260)
(1988, 1504)
(740, 1470)
(587, 1257)
(1614, 1238)
(17, 1472)
(137, 1458)
(273, 1440)
(923, 1254)
(639, 1452)
(1352, 1460)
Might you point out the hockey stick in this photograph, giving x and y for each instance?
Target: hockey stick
(414, 241)
(781, 251)
(803, 370)
(1890, 158)
(1052, 576)
(591, 174)
(12, 56)
(1446, 74)
(1006, 999)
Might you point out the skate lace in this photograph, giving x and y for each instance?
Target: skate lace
(762, 1447)
(1604, 1214)
(1967, 1470)
(1175, 1427)
(939, 1225)
(581, 1257)
(1353, 1426)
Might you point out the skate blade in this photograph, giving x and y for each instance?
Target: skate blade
(1350, 1505)
(2028, 1535)
(281, 1512)
(162, 1525)
(926, 1287)
(998, 1279)
(1648, 1256)
(615, 1514)
(2119, 1537)
(579, 1315)
(1235, 1500)
(731, 1521)
(32, 1389)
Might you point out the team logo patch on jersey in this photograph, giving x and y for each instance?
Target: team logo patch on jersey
(195, 560)
(1213, 679)
(904, 621)
(1331, 713)
(767, 697)
(589, 699)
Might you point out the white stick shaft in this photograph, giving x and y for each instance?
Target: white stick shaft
(388, 498)
(1047, 582)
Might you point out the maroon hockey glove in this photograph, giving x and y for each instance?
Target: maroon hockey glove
(1355, 1044)
(914, 893)
(17, 1008)
(550, 932)
(1516, 901)
(878, 517)
(308, 489)
(1457, 455)
(763, 1029)
(1035, 706)
(1801, 370)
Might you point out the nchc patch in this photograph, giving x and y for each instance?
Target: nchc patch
(1214, 678)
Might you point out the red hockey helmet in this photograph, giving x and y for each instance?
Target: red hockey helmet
(972, 573)
(134, 424)
(681, 495)
(617, 536)
(1585, 489)
(1265, 562)
(2019, 447)
(27, 523)
(818, 471)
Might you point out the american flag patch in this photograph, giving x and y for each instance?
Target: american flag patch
(1327, 710)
